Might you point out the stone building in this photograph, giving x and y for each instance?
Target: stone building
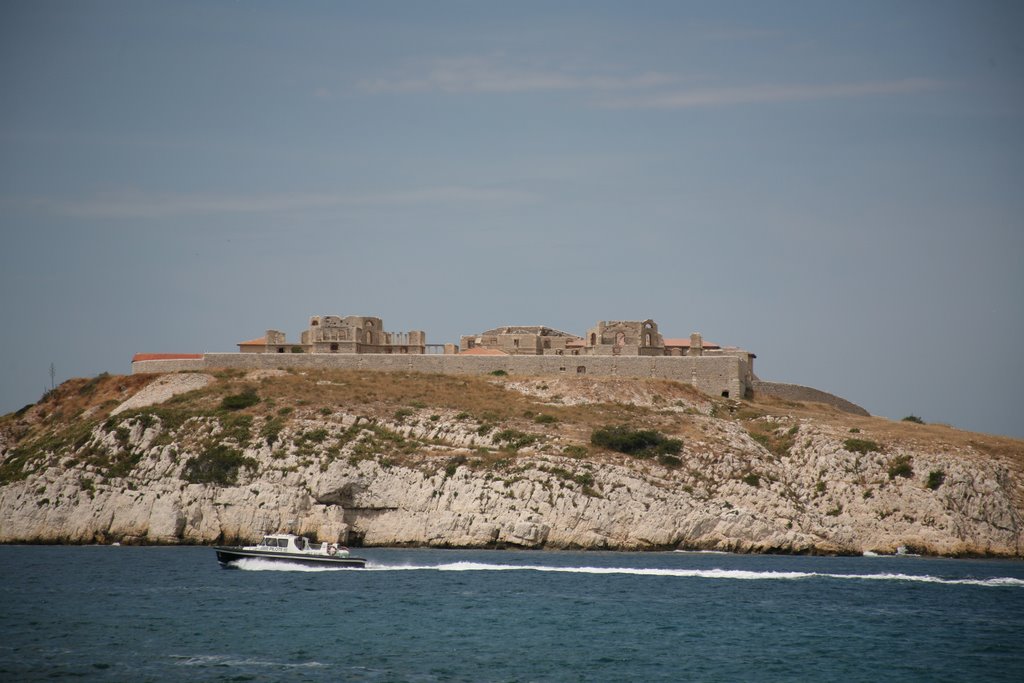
(624, 338)
(520, 340)
(336, 334)
(607, 338)
(615, 348)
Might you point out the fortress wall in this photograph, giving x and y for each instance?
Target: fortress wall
(796, 392)
(174, 365)
(710, 374)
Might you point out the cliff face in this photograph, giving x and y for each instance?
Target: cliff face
(385, 459)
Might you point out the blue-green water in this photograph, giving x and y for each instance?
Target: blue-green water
(137, 614)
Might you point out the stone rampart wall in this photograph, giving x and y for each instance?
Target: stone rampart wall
(713, 375)
(175, 365)
(796, 392)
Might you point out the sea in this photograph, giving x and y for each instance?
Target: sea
(103, 613)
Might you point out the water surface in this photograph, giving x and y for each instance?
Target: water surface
(154, 613)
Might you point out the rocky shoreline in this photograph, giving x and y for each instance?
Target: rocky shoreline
(389, 470)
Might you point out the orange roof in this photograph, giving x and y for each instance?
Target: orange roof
(480, 351)
(167, 356)
(261, 341)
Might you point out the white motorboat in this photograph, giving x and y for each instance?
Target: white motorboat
(291, 549)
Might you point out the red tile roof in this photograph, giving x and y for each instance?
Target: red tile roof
(167, 356)
(261, 341)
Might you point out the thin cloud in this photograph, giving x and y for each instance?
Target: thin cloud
(145, 205)
(481, 75)
(754, 94)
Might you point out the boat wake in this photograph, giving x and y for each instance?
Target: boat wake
(733, 574)
(254, 564)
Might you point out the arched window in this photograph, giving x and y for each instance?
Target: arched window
(593, 339)
(647, 339)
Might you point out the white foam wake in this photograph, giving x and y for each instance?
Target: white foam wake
(734, 574)
(254, 564)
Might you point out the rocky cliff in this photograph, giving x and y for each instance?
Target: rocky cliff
(394, 459)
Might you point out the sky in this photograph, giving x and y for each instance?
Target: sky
(836, 187)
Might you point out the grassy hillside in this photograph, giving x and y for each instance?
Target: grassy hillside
(537, 415)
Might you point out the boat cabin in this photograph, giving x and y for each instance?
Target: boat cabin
(288, 542)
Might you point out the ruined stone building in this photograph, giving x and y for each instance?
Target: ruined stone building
(334, 334)
(607, 338)
(612, 348)
(624, 338)
(525, 340)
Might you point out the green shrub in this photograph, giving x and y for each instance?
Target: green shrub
(862, 446)
(670, 461)
(514, 439)
(499, 373)
(236, 427)
(584, 479)
(453, 465)
(575, 451)
(913, 418)
(271, 430)
(240, 401)
(545, 419)
(642, 443)
(218, 464)
(752, 480)
(900, 467)
(402, 413)
(935, 479)
(855, 430)
(316, 435)
(296, 349)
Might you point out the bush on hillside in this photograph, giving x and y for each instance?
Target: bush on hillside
(218, 464)
(900, 467)
(642, 443)
(240, 401)
(862, 446)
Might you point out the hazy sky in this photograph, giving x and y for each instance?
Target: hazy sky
(836, 187)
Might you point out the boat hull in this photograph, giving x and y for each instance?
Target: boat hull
(226, 555)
